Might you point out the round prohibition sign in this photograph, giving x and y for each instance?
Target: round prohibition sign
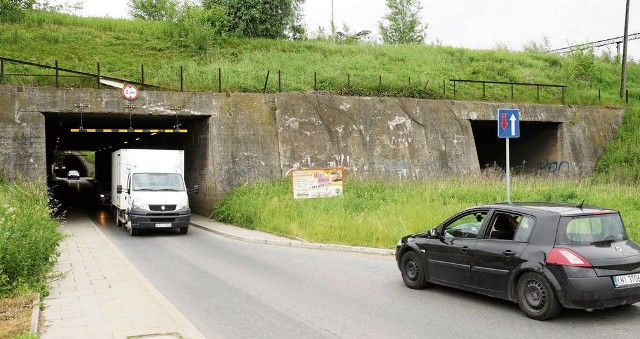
(130, 92)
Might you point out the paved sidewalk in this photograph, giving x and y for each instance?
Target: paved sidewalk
(101, 295)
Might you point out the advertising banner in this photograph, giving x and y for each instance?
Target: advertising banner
(317, 183)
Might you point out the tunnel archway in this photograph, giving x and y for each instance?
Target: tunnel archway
(66, 147)
(538, 144)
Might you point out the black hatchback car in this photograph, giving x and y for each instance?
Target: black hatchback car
(543, 256)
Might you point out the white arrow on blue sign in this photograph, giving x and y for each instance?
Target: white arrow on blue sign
(508, 123)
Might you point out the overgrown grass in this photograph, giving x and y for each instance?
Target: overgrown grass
(377, 214)
(28, 238)
(122, 46)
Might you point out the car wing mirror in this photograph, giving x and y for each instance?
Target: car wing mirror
(434, 233)
(195, 189)
(119, 189)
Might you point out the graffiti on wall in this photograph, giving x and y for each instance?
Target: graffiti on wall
(556, 168)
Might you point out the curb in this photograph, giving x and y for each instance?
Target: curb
(34, 328)
(299, 244)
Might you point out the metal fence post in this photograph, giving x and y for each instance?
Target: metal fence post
(348, 84)
(315, 81)
(264, 89)
(56, 73)
(279, 81)
(181, 79)
(1, 71)
(626, 95)
(444, 88)
(142, 77)
(219, 80)
(454, 89)
(98, 75)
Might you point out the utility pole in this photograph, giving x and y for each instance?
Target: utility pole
(623, 75)
(333, 26)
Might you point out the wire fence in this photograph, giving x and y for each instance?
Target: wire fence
(463, 89)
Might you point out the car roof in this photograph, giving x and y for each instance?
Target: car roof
(563, 209)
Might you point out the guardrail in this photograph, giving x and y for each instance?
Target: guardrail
(512, 84)
(75, 74)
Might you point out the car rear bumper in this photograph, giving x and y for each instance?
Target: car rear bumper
(596, 293)
(142, 219)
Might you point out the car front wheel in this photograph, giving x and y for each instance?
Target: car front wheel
(536, 297)
(413, 272)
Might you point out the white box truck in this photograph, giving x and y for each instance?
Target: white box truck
(148, 190)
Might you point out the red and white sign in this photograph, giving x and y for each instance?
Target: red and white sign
(130, 92)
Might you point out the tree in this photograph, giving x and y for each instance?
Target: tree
(12, 10)
(403, 24)
(160, 10)
(543, 46)
(259, 18)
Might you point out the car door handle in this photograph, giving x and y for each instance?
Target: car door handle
(509, 253)
(465, 249)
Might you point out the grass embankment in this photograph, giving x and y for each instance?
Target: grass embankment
(28, 241)
(122, 46)
(377, 214)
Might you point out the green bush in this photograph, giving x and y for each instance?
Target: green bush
(28, 238)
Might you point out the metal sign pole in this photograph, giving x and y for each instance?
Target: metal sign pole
(508, 127)
(508, 171)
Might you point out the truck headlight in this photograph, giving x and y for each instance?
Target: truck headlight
(139, 205)
(182, 205)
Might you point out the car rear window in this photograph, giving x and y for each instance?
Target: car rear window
(588, 229)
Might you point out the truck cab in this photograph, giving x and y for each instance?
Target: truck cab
(150, 191)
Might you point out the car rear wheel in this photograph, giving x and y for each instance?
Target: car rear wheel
(412, 270)
(536, 297)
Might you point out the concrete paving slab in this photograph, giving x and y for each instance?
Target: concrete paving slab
(92, 298)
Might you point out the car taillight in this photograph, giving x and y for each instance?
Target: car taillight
(566, 257)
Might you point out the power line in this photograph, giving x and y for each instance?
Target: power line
(600, 43)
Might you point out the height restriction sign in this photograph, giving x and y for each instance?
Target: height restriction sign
(129, 92)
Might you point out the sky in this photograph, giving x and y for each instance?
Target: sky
(474, 24)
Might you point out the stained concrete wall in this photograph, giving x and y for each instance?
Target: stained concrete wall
(246, 137)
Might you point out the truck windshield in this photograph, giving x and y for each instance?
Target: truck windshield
(157, 182)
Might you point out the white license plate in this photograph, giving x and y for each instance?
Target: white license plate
(163, 225)
(626, 280)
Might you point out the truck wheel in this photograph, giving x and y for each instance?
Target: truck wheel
(184, 230)
(132, 231)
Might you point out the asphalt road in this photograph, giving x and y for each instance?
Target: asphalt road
(232, 289)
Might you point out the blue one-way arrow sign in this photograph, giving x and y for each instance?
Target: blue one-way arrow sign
(508, 123)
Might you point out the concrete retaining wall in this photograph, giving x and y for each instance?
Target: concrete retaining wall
(244, 137)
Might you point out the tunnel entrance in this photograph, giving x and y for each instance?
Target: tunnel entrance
(538, 144)
(89, 153)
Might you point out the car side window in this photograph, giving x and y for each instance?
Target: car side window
(525, 229)
(465, 226)
(511, 226)
(504, 225)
